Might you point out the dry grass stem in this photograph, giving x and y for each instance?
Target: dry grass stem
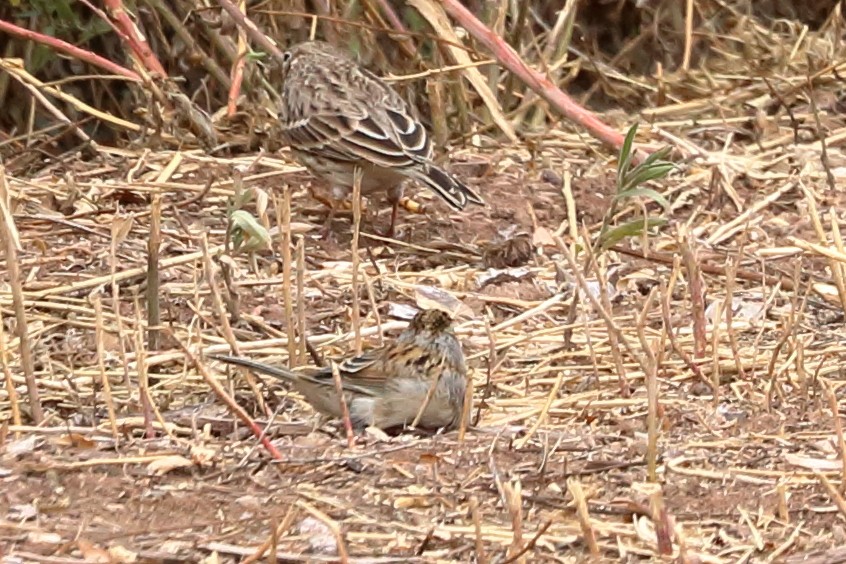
(651, 376)
(223, 319)
(588, 533)
(101, 365)
(148, 410)
(302, 327)
(343, 555)
(272, 543)
(12, 246)
(285, 251)
(14, 406)
(355, 315)
(154, 318)
(342, 401)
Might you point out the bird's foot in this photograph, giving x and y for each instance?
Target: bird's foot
(412, 206)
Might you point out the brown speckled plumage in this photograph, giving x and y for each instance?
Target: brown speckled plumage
(337, 116)
(386, 387)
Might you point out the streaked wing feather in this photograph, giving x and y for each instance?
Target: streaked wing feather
(346, 139)
(361, 373)
(324, 378)
(412, 135)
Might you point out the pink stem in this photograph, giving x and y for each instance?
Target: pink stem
(509, 58)
(67, 48)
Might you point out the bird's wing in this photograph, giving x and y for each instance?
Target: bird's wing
(355, 117)
(357, 136)
(364, 373)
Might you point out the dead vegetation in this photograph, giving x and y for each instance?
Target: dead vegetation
(690, 410)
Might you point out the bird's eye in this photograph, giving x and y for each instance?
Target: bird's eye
(286, 57)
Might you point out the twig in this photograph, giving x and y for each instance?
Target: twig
(509, 58)
(342, 401)
(405, 42)
(225, 328)
(529, 545)
(71, 50)
(481, 556)
(153, 278)
(575, 489)
(697, 293)
(121, 226)
(149, 408)
(434, 14)
(285, 251)
(7, 377)
(356, 260)
(228, 400)
(11, 242)
(651, 376)
(302, 329)
(101, 365)
(134, 38)
(692, 365)
(251, 29)
(237, 72)
(343, 554)
(272, 542)
(661, 520)
(513, 500)
(189, 39)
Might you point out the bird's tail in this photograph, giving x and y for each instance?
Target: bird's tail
(448, 187)
(261, 368)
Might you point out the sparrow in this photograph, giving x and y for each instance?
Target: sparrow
(337, 116)
(421, 376)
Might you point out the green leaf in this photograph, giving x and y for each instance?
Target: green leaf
(626, 153)
(256, 55)
(661, 154)
(641, 175)
(633, 228)
(247, 233)
(644, 193)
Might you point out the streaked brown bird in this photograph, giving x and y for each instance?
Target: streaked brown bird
(420, 376)
(337, 116)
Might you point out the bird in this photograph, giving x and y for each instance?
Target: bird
(337, 116)
(420, 378)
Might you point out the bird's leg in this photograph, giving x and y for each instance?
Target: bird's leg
(326, 229)
(328, 202)
(397, 200)
(394, 197)
(335, 200)
(332, 201)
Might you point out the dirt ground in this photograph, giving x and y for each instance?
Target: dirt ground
(742, 476)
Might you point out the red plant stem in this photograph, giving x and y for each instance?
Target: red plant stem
(136, 40)
(67, 48)
(509, 58)
(230, 402)
(118, 31)
(405, 42)
(235, 87)
(237, 73)
(391, 15)
(252, 30)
